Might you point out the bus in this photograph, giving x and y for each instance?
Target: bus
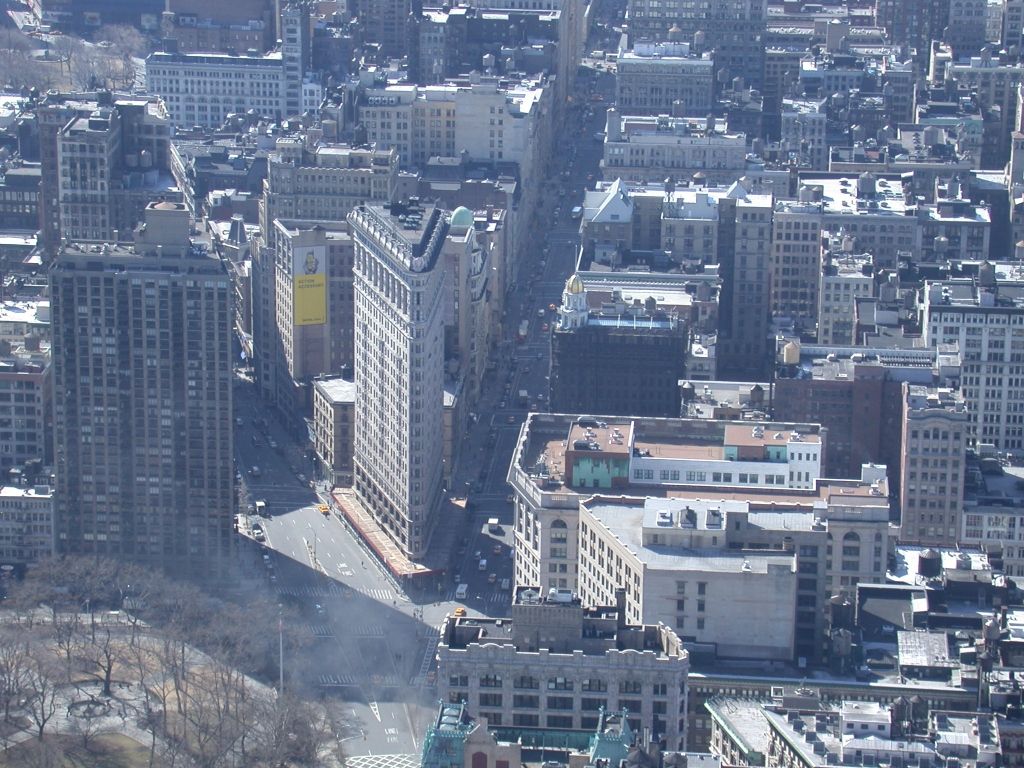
(524, 330)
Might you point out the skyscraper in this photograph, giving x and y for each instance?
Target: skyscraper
(142, 392)
(399, 361)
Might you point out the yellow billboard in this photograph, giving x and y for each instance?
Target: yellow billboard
(309, 296)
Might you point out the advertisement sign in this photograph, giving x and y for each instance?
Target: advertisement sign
(310, 287)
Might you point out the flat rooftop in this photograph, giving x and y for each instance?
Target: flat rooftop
(338, 391)
(626, 524)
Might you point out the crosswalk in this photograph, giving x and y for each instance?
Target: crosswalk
(426, 664)
(337, 681)
(366, 630)
(494, 599)
(382, 594)
(321, 630)
(341, 681)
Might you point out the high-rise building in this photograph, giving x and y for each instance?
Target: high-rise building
(295, 53)
(314, 308)
(914, 23)
(385, 23)
(845, 277)
(199, 25)
(321, 184)
(399, 349)
(733, 28)
(103, 158)
(985, 316)
(620, 343)
(142, 369)
(933, 465)
(696, 226)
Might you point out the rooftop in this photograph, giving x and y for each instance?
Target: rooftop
(337, 391)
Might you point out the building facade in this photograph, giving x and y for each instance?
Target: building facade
(399, 367)
(142, 368)
(556, 664)
(26, 524)
(936, 430)
(334, 409)
(204, 88)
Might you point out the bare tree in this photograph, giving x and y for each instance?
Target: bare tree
(102, 655)
(87, 729)
(41, 693)
(124, 40)
(14, 671)
(66, 50)
(68, 639)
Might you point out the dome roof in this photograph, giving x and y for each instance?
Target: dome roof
(462, 217)
(574, 285)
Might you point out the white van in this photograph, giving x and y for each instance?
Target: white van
(483, 564)
(461, 591)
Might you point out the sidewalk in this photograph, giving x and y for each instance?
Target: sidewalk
(405, 571)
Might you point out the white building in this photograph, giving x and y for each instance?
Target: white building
(204, 88)
(986, 318)
(561, 459)
(399, 349)
(803, 131)
(490, 120)
(638, 148)
(757, 554)
(672, 558)
(664, 78)
(845, 277)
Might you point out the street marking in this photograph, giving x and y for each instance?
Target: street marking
(376, 710)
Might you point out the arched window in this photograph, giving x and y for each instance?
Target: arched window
(559, 532)
(851, 545)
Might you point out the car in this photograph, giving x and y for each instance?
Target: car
(266, 558)
(497, 549)
(540, 312)
(491, 578)
(460, 611)
(511, 419)
(302, 477)
(319, 610)
(544, 327)
(476, 555)
(273, 578)
(510, 498)
(258, 534)
(238, 420)
(505, 584)
(502, 404)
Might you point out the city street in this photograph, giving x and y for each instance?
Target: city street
(372, 647)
